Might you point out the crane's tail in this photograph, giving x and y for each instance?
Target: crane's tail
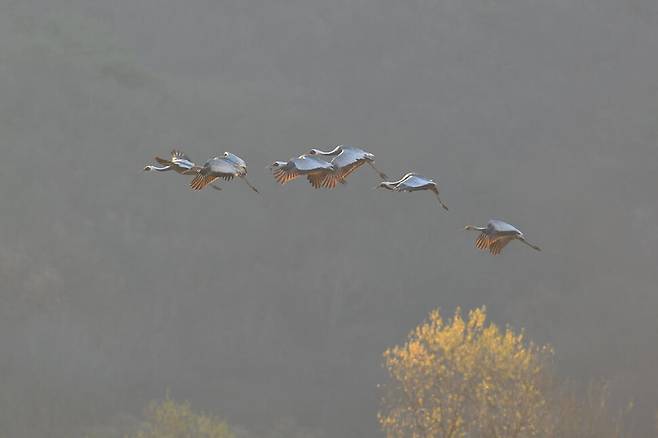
(382, 175)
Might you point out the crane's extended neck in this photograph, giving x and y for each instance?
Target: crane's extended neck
(472, 227)
(385, 185)
(334, 151)
(157, 169)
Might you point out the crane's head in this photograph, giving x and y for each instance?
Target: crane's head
(314, 152)
(384, 185)
(277, 165)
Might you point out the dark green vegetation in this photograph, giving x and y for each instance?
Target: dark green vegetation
(117, 285)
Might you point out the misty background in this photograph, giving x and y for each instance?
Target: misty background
(118, 285)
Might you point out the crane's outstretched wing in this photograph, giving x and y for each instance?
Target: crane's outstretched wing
(498, 244)
(326, 179)
(482, 242)
(283, 176)
(348, 161)
(175, 153)
(199, 182)
(316, 180)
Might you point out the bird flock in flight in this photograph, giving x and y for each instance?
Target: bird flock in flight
(328, 173)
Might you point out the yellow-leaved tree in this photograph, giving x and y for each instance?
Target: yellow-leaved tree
(169, 419)
(460, 378)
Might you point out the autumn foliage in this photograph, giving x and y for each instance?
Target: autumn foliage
(461, 378)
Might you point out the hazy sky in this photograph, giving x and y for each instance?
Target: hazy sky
(119, 285)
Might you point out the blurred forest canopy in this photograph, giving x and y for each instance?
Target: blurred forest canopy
(451, 379)
(168, 419)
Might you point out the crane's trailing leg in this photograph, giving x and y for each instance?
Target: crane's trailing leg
(535, 247)
(244, 178)
(445, 207)
(382, 175)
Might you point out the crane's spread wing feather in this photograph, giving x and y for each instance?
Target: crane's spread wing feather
(482, 242)
(348, 161)
(498, 244)
(283, 176)
(346, 171)
(200, 181)
(316, 180)
(175, 153)
(331, 180)
(326, 179)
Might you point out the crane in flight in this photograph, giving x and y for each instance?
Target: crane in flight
(319, 173)
(178, 162)
(413, 182)
(496, 235)
(226, 167)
